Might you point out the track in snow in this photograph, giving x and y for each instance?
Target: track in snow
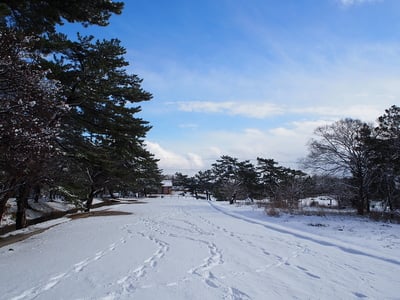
(183, 248)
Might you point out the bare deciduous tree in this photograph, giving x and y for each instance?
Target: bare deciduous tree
(340, 150)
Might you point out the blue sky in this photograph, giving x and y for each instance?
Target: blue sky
(255, 78)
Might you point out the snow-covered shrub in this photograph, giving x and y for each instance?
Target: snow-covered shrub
(272, 211)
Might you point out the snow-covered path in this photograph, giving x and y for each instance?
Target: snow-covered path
(181, 248)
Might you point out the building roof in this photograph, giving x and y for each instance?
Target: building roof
(166, 183)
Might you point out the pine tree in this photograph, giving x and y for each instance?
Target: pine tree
(270, 177)
(42, 16)
(205, 181)
(30, 110)
(386, 147)
(102, 133)
(284, 186)
(102, 140)
(233, 178)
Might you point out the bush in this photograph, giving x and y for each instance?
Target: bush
(392, 217)
(272, 211)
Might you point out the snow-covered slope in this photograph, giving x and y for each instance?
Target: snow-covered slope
(181, 248)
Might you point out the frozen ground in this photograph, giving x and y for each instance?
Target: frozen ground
(181, 248)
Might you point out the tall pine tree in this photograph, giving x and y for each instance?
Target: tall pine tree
(102, 133)
(30, 108)
(102, 139)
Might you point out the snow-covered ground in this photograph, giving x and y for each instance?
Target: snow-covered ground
(182, 248)
(38, 210)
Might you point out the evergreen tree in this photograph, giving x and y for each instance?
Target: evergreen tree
(101, 140)
(180, 181)
(386, 148)
(270, 176)
(389, 130)
(284, 186)
(101, 132)
(226, 182)
(233, 179)
(205, 181)
(30, 110)
(187, 183)
(42, 16)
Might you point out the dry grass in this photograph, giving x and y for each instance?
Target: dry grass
(272, 211)
(19, 237)
(101, 213)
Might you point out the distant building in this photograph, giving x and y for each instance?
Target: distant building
(375, 205)
(323, 201)
(166, 187)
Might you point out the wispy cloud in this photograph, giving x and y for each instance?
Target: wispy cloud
(353, 2)
(282, 81)
(189, 125)
(366, 113)
(246, 109)
(352, 81)
(261, 110)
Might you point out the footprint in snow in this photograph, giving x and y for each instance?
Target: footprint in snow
(238, 295)
(209, 279)
(80, 265)
(53, 281)
(359, 295)
(99, 255)
(312, 275)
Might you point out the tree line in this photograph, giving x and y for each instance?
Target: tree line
(68, 107)
(354, 161)
(69, 125)
(230, 179)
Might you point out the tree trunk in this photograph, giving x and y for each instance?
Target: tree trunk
(3, 202)
(360, 202)
(89, 200)
(22, 203)
(36, 191)
(360, 208)
(367, 206)
(361, 193)
(93, 192)
(7, 193)
(111, 191)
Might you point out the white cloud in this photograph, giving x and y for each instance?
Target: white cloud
(334, 72)
(171, 161)
(353, 2)
(214, 151)
(360, 82)
(246, 109)
(285, 144)
(335, 78)
(189, 125)
(195, 160)
(283, 132)
(259, 110)
(366, 113)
